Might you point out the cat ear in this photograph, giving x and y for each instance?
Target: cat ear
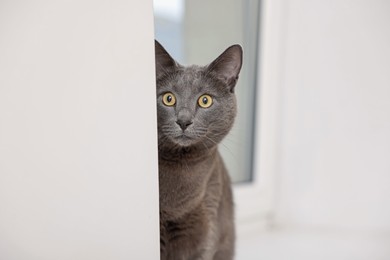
(228, 65)
(164, 61)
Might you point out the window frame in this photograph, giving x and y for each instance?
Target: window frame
(256, 200)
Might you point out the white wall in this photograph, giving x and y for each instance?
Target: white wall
(333, 75)
(78, 152)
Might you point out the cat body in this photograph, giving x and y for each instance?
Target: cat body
(196, 109)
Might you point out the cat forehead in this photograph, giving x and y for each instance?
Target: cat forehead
(183, 78)
(193, 77)
(190, 74)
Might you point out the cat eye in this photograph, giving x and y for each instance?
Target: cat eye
(169, 99)
(205, 101)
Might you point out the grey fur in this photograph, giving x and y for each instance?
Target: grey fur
(196, 204)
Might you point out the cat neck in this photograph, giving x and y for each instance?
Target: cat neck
(183, 179)
(188, 154)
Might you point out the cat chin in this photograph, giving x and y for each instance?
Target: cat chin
(185, 141)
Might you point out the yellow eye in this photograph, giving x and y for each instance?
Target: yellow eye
(205, 101)
(169, 99)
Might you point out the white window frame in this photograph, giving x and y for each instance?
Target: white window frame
(256, 200)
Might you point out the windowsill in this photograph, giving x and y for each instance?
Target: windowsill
(304, 243)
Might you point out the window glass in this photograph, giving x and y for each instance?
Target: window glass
(196, 32)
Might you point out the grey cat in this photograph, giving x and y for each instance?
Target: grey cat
(196, 109)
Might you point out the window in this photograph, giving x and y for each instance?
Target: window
(196, 32)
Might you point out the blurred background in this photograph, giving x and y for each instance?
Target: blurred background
(310, 151)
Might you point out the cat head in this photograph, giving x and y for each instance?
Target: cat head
(196, 105)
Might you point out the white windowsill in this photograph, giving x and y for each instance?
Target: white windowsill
(308, 244)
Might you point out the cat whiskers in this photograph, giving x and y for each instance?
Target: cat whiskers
(221, 144)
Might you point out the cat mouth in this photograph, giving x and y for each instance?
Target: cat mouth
(185, 136)
(185, 139)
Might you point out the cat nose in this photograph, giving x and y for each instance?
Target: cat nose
(184, 123)
(184, 118)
